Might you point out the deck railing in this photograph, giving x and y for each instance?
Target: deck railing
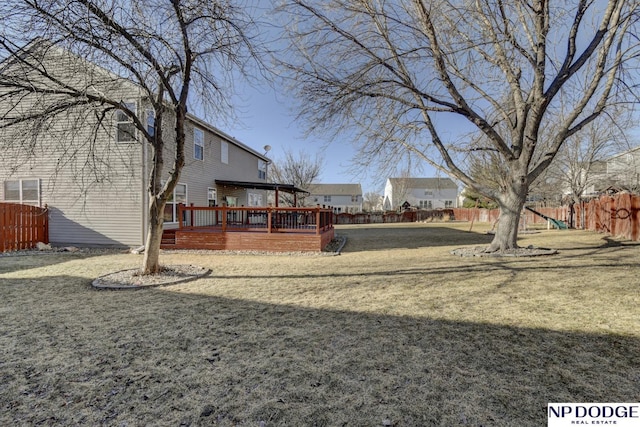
(259, 219)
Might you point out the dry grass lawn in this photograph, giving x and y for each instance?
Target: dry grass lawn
(395, 331)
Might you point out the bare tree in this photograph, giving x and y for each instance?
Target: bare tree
(371, 202)
(394, 71)
(300, 170)
(576, 167)
(170, 53)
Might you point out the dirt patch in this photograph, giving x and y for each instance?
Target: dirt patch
(132, 279)
(480, 251)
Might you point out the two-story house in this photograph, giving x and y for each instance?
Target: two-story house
(422, 193)
(95, 183)
(619, 172)
(343, 198)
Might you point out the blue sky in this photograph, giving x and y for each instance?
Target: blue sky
(266, 118)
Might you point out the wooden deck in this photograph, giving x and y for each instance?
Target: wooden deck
(246, 229)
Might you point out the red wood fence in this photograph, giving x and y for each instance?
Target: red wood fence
(617, 215)
(491, 215)
(22, 226)
(386, 217)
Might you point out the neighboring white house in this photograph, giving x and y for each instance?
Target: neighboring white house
(111, 208)
(343, 198)
(620, 171)
(422, 193)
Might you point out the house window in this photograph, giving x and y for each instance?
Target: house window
(354, 199)
(428, 193)
(212, 196)
(171, 208)
(426, 204)
(327, 199)
(262, 169)
(224, 152)
(25, 191)
(448, 203)
(151, 122)
(125, 128)
(255, 199)
(198, 144)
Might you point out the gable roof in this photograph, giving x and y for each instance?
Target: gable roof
(335, 189)
(425, 183)
(40, 49)
(630, 151)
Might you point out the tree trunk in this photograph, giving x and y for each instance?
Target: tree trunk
(151, 260)
(511, 205)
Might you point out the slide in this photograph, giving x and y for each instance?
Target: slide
(560, 224)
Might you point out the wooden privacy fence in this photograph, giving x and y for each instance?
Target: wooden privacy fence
(387, 217)
(491, 215)
(617, 215)
(22, 226)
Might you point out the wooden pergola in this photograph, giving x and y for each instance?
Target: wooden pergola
(287, 188)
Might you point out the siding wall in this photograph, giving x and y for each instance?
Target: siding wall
(92, 186)
(95, 188)
(199, 175)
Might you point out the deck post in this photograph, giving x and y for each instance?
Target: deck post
(318, 221)
(269, 219)
(224, 217)
(192, 216)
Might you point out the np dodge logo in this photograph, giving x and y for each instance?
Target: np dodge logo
(593, 414)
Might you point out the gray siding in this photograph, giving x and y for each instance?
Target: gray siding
(91, 186)
(95, 188)
(199, 175)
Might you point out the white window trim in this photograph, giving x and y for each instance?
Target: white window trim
(200, 144)
(262, 169)
(21, 198)
(254, 199)
(212, 191)
(132, 106)
(175, 205)
(224, 152)
(151, 122)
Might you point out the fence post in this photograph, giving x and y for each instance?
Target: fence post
(45, 224)
(3, 227)
(634, 217)
(614, 214)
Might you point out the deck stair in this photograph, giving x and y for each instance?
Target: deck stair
(168, 237)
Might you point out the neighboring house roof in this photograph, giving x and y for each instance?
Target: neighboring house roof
(335, 189)
(632, 150)
(439, 183)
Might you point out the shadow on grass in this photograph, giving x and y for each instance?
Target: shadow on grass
(16, 262)
(161, 357)
(389, 236)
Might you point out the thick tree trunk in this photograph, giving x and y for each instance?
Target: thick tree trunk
(511, 205)
(151, 260)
